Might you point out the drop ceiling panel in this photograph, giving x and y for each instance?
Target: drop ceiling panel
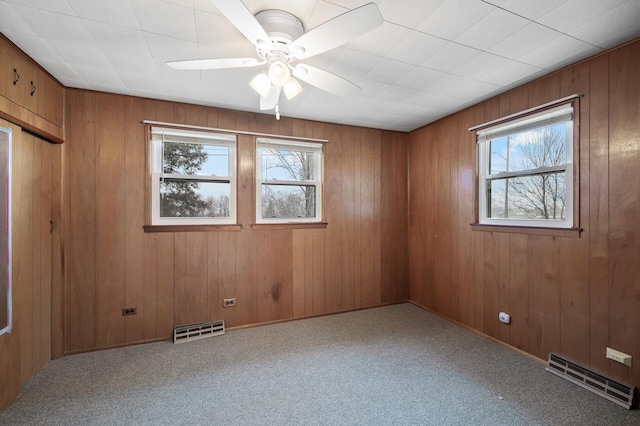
(453, 17)
(491, 29)
(429, 58)
(167, 19)
(58, 6)
(450, 57)
(528, 38)
(114, 12)
(124, 40)
(416, 47)
(408, 13)
(63, 29)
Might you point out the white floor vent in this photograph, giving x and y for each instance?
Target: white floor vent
(190, 332)
(614, 390)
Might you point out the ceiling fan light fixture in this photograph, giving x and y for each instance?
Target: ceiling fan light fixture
(292, 88)
(261, 83)
(279, 73)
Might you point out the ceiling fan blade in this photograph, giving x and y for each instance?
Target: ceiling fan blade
(337, 31)
(214, 64)
(325, 80)
(242, 18)
(271, 100)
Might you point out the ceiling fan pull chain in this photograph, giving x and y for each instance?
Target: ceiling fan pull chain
(277, 112)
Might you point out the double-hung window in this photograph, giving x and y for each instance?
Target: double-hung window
(288, 181)
(526, 170)
(193, 177)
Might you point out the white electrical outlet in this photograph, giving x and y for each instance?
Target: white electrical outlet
(618, 356)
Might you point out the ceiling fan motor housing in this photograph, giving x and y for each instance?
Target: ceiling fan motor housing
(282, 28)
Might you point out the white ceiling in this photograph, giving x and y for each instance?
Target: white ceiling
(430, 57)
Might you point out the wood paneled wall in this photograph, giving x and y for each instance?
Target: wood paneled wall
(359, 260)
(36, 261)
(573, 296)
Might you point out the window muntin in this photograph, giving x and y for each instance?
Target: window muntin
(288, 181)
(193, 178)
(526, 171)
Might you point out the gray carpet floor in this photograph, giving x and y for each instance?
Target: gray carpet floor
(394, 365)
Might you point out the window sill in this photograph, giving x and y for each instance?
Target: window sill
(190, 228)
(300, 225)
(554, 232)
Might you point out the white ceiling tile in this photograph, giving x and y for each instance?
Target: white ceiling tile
(491, 29)
(58, 68)
(99, 76)
(407, 49)
(450, 57)
(322, 13)
(351, 64)
(38, 49)
(475, 90)
(480, 65)
(452, 17)
(171, 49)
(448, 84)
(433, 101)
(114, 12)
(512, 74)
(419, 78)
(166, 19)
(74, 83)
(562, 50)
(213, 31)
(123, 62)
(574, 13)
(388, 71)
(529, 9)
(381, 40)
(55, 26)
(607, 29)
(408, 13)
(58, 6)
(79, 55)
(396, 94)
(137, 82)
(125, 40)
(184, 3)
(10, 22)
(531, 37)
(90, 44)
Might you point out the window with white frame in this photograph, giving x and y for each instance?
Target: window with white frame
(288, 181)
(526, 170)
(193, 177)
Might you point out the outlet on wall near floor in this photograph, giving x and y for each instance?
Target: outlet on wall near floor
(618, 356)
(228, 303)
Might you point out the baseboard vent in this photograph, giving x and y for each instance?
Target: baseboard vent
(190, 332)
(614, 390)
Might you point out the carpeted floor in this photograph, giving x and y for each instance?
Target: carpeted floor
(395, 365)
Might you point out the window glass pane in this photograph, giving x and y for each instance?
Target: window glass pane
(278, 164)
(196, 159)
(183, 198)
(528, 150)
(288, 201)
(539, 196)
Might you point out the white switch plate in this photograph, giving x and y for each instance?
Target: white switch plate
(618, 356)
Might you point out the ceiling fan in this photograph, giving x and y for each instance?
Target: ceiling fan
(281, 41)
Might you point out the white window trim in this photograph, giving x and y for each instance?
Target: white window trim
(559, 114)
(317, 182)
(156, 150)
